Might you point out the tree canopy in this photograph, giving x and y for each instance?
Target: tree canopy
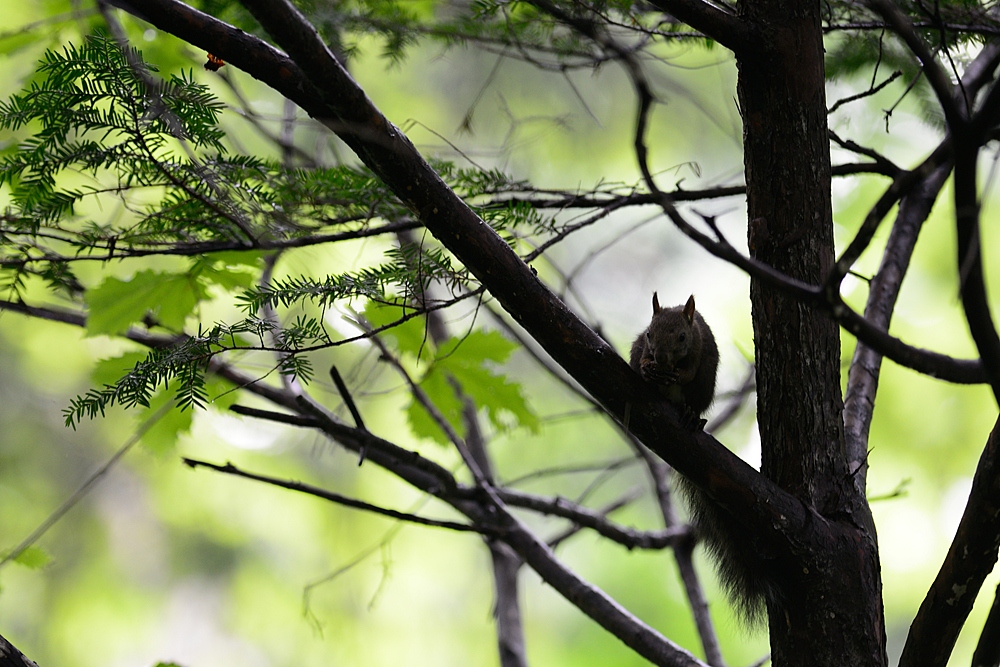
(358, 278)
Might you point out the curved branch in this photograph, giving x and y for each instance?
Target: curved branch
(863, 376)
(904, 183)
(935, 74)
(596, 521)
(716, 24)
(970, 559)
(970, 261)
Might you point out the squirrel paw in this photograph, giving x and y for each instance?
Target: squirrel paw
(651, 372)
(691, 420)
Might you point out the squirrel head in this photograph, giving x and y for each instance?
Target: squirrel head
(674, 336)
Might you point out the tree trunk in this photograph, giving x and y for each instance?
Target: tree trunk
(831, 611)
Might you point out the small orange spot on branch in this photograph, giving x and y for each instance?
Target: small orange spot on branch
(214, 63)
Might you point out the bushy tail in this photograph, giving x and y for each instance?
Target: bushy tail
(747, 576)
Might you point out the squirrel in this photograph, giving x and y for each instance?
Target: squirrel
(677, 352)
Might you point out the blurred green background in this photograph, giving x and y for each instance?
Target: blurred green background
(162, 563)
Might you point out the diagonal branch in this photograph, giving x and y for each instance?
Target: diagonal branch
(914, 208)
(904, 183)
(710, 19)
(970, 559)
(936, 75)
(449, 219)
(311, 490)
(595, 520)
(988, 649)
(11, 657)
(863, 376)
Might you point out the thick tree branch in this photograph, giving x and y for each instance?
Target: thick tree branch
(595, 364)
(863, 376)
(987, 652)
(710, 19)
(970, 559)
(11, 657)
(549, 321)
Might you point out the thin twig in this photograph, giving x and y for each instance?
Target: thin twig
(868, 93)
(87, 485)
(593, 519)
(311, 490)
(345, 395)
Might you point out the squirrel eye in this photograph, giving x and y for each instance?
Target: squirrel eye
(683, 336)
(647, 336)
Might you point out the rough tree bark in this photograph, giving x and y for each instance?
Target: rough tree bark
(800, 409)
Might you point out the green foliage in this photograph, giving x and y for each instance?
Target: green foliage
(33, 558)
(465, 364)
(860, 52)
(154, 149)
(410, 269)
(161, 437)
(167, 297)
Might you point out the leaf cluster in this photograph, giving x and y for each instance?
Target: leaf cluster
(459, 367)
(101, 128)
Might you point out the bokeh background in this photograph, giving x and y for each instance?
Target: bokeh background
(162, 563)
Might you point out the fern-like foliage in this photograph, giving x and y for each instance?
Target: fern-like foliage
(183, 364)
(104, 133)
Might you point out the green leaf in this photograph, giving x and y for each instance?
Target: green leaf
(230, 273)
(468, 360)
(503, 400)
(34, 558)
(411, 336)
(477, 347)
(117, 304)
(441, 393)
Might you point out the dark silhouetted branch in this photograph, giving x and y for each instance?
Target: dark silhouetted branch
(970, 559)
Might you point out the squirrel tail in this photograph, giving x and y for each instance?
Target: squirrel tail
(745, 574)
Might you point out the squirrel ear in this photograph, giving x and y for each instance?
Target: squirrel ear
(689, 309)
(656, 304)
